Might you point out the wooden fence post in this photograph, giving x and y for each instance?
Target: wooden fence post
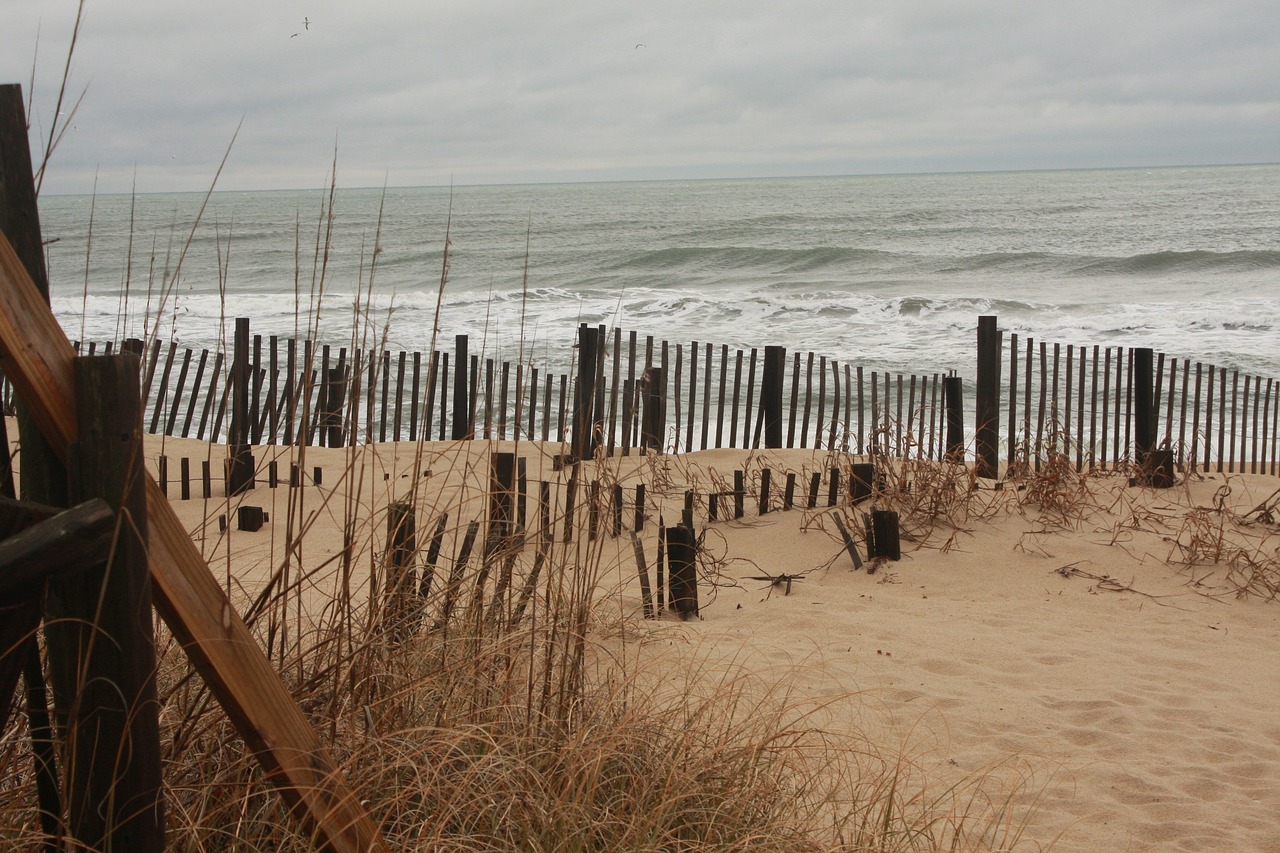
(862, 476)
(988, 399)
(642, 569)
(682, 572)
(195, 390)
(44, 475)
(1013, 402)
(953, 391)
(462, 426)
(239, 458)
(101, 639)
(654, 421)
(849, 546)
(693, 395)
(598, 422)
(1144, 414)
(589, 340)
(172, 420)
(1155, 466)
(775, 365)
(884, 540)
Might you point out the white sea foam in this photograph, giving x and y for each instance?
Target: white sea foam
(890, 272)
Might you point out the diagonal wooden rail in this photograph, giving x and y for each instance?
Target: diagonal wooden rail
(37, 358)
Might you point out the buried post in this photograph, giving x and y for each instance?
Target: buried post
(682, 570)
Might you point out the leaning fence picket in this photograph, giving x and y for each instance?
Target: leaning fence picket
(177, 392)
(163, 391)
(434, 380)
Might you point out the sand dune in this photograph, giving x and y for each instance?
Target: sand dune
(1137, 698)
(1142, 694)
(1074, 640)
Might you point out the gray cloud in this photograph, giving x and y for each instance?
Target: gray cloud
(493, 91)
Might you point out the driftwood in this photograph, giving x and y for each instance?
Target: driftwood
(783, 580)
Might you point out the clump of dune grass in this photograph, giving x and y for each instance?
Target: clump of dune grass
(929, 493)
(1245, 544)
(1053, 490)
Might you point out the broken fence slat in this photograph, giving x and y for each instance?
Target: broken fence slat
(643, 570)
(849, 545)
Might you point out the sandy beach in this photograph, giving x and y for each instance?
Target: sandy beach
(1078, 646)
(1018, 591)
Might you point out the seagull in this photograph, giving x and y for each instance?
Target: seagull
(295, 35)
(306, 23)
(640, 46)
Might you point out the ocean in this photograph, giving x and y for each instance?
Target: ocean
(889, 272)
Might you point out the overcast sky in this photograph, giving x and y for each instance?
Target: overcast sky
(412, 92)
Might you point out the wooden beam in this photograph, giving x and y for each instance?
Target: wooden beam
(37, 357)
(16, 516)
(64, 542)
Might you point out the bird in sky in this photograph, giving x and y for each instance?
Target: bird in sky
(306, 23)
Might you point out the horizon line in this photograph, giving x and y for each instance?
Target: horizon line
(598, 181)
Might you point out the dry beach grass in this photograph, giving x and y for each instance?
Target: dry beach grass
(1067, 661)
(481, 731)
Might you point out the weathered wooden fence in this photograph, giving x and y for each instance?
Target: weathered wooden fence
(1052, 398)
(1083, 401)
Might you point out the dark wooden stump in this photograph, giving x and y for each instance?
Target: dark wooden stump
(861, 481)
(883, 540)
(682, 570)
(250, 518)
